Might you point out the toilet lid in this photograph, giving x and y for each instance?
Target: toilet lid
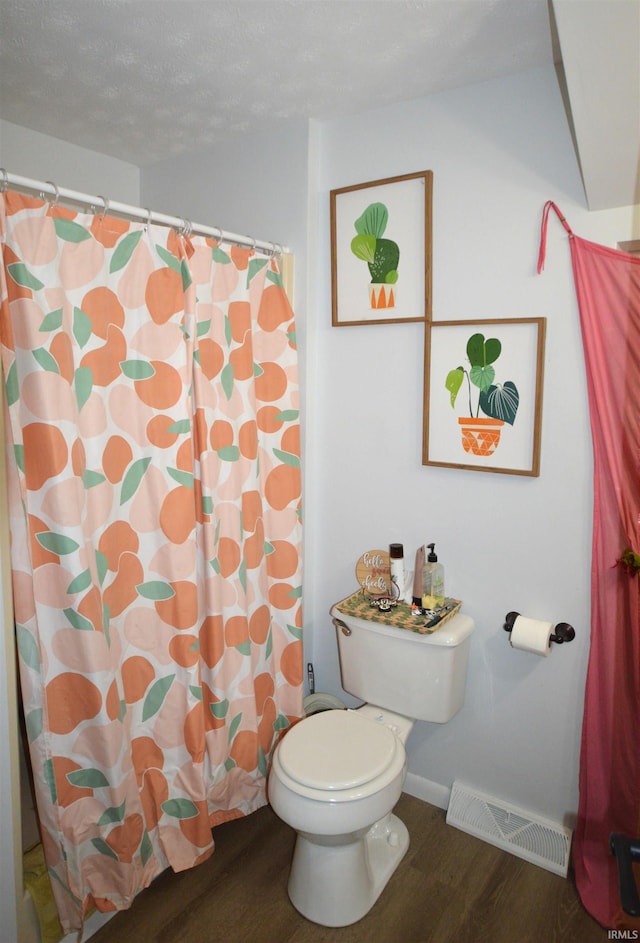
(337, 749)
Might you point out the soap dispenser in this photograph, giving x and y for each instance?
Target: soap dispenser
(433, 584)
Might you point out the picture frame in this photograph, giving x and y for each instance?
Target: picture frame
(483, 395)
(381, 251)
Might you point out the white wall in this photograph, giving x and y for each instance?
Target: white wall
(41, 157)
(498, 151)
(245, 184)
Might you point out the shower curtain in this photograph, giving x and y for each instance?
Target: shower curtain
(152, 396)
(608, 291)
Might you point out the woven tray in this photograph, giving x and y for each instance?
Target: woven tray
(400, 617)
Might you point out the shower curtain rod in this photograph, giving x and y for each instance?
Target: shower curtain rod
(104, 206)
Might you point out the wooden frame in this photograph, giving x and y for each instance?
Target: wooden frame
(376, 278)
(483, 395)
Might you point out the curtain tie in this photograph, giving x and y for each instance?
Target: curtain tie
(549, 205)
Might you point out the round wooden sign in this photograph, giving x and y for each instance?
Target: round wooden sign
(373, 572)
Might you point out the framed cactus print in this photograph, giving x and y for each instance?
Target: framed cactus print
(483, 394)
(381, 251)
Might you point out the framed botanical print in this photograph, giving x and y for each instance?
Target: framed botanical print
(483, 394)
(381, 251)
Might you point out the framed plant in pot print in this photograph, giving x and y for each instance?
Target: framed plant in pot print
(483, 394)
(381, 251)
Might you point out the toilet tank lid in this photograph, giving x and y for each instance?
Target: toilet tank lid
(337, 749)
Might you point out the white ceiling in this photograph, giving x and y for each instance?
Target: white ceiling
(143, 80)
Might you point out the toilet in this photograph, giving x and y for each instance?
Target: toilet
(337, 775)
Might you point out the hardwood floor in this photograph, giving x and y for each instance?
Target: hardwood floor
(449, 887)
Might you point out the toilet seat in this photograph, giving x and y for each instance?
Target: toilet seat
(339, 750)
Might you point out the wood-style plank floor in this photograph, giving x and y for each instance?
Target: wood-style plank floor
(449, 887)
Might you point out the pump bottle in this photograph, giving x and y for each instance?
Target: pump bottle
(433, 583)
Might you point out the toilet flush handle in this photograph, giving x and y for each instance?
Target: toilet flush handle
(343, 628)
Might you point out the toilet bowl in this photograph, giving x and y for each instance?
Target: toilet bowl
(335, 778)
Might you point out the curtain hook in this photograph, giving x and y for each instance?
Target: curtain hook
(105, 208)
(148, 222)
(253, 244)
(5, 180)
(276, 249)
(186, 228)
(219, 236)
(52, 205)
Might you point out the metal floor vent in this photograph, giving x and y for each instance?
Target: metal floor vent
(534, 839)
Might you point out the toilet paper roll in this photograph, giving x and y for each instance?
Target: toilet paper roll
(531, 635)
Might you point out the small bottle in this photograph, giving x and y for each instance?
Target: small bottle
(433, 585)
(396, 566)
(418, 580)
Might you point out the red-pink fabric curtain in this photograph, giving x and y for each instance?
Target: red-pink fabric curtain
(608, 292)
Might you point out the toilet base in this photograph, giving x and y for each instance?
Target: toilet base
(336, 885)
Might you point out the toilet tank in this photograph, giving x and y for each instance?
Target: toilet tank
(420, 676)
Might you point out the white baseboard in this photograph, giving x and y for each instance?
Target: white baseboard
(427, 790)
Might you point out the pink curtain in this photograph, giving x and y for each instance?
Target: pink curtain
(152, 396)
(608, 291)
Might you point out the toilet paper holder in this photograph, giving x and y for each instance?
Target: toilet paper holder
(563, 632)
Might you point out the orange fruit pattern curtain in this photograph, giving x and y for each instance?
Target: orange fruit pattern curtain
(153, 417)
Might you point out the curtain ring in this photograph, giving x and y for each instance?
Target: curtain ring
(105, 208)
(148, 222)
(253, 246)
(276, 249)
(219, 236)
(52, 205)
(186, 228)
(5, 180)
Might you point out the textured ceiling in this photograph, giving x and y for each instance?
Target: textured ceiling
(147, 79)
